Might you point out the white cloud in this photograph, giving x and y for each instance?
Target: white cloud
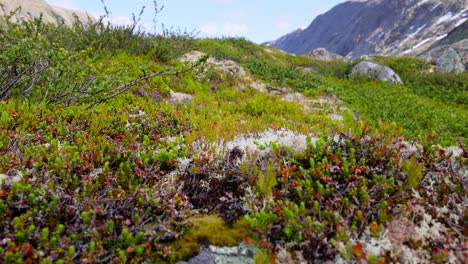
(226, 29)
(234, 28)
(69, 4)
(125, 21)
(121, 20)
(209, 30)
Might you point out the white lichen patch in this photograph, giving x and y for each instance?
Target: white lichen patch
(177, 97)
(261, 143)
(429, 228)
(375, 246)
(11, 177)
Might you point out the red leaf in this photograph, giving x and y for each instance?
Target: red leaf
(248, 241)
(130, 250)
(359, 252)
(264, 243)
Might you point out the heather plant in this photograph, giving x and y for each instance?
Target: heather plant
(329, 194)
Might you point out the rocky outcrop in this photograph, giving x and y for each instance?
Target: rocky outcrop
(241, 254)
(228, 67)
(246, 80)
(377, 71)
(323, 55)
(449, 58)
(34, 8)
(384, 27)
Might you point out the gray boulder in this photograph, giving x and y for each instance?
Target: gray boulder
(324, 55)
(377, 71)
(449, 58)
(241, 254)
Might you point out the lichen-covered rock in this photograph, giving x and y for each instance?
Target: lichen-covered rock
(377, 71)
(449, 58)
(228, 67)
(241, 254)
(177, 97)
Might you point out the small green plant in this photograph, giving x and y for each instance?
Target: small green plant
(413, 170)
(266, 182)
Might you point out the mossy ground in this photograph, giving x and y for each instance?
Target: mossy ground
(209, 229)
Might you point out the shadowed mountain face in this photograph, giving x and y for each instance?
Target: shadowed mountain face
(355, 28)
(33, 8)
(458, 34)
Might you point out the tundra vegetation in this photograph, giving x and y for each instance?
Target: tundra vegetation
(98, 165)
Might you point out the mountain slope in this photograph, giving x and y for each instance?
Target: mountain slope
(459, 33)
(356, 28)
(33, 8)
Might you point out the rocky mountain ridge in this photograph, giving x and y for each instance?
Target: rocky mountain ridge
(34, 8)
(356, 28)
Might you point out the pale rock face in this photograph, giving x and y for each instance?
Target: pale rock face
(324, 55)
(192, 56)
(228, 67)
(241, 254)
(33, 9)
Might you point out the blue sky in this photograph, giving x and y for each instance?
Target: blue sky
(256, 20)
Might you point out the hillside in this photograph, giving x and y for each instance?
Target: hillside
(356, 28)
(34, 8)
(118, 146)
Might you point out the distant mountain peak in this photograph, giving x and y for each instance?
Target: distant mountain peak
(365, 27)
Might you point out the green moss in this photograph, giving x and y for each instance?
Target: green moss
(208, 229)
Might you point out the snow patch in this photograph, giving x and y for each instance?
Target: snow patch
(441, 37)
(421, 43)
(450, 16)
(422, 2)
(444, 18)
(412, 35)
(462, 13)
(432, 9)
(461, 21)
(417, 45)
